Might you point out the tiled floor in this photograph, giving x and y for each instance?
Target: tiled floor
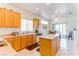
(8, 51)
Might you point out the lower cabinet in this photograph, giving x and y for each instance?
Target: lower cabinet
(34, 39)
(29, 40)
(24, 40)
(17, 43)
(21, 42)
(10, 40)
(49, 47)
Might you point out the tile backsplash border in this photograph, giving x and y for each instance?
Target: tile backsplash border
(5, 31)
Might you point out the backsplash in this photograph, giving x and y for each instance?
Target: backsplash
(5, 31)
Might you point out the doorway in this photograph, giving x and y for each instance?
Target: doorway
(62, 29)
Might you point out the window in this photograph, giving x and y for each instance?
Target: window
(26, 25)
(44, 25)
(44, 22)
(60, 28)
(29, 25)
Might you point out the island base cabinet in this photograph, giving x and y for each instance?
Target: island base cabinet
(48, 47)
(11, 41)
(17, 43)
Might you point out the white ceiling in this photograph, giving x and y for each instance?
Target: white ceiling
(47, 12)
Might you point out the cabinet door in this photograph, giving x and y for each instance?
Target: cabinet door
(17, 20)
(24, 41)
(11, 19)
(0, 17)
(3, 17)
(29, 40)
(7, 20)
(36, 23)
(45, 47)
(10, 41)
(17, 43)
(34, 39)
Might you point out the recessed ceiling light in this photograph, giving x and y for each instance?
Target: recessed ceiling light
(47, 4)
(55, 19)
(37, 9)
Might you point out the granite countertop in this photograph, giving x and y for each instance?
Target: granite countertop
(49, 36)
(7, 36)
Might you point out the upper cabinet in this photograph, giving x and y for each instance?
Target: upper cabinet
(36, 23)
(9, 19)
(0, 17)
(3, 17)
(17, 19)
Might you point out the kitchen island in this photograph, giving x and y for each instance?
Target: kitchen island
(21, 41)
(49, 44)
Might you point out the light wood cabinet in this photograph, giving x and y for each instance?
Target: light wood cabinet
(17, 43)
(3, 17)
(24, 41)
(17, 19)
(6, 16)
(49, 47)
(10, 40)
(34, 39)
(21, 42)
(36, 23)
(29, 41)
(0, 17)
(9, 18)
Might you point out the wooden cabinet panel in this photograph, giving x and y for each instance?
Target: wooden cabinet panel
(6, 15)
(45, 47)
(36, 23)
(24, 41)
(9, 19)
(34, 39)
(49, 47)
(0, 17)
(17, 43)
(29, 40)
(3, 17)
(21, 42)
(10, 40)
(17, 20)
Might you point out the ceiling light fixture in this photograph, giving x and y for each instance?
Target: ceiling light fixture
(47, 4)
(55, 19)
(37, 9)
